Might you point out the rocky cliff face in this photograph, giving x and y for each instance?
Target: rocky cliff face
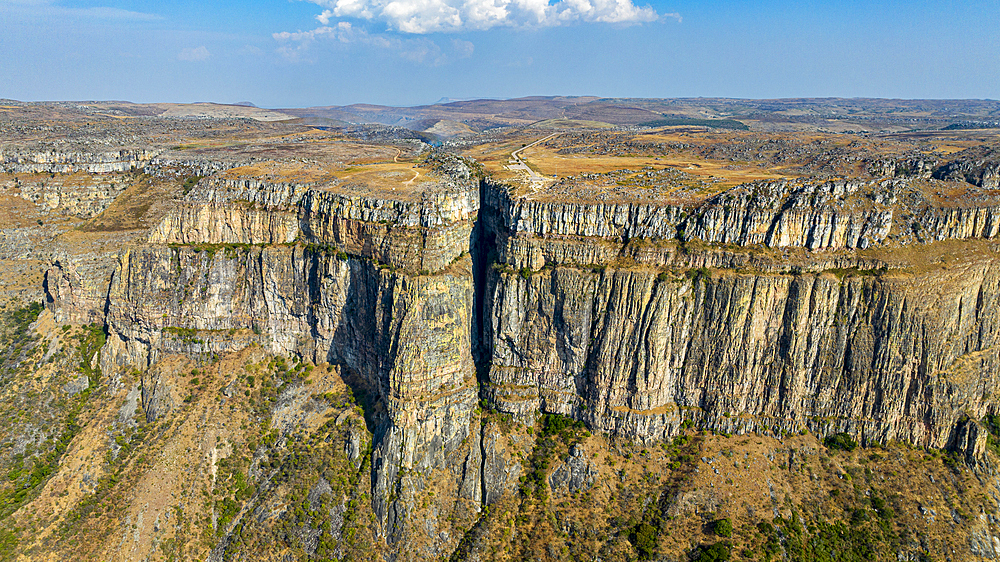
(83, 199)
(638, 336)
(402, 340)
(841, 214)
(637, 353)
(772, 309)
(427, 233)
(59, 161)
(383, 288)
(978, 166)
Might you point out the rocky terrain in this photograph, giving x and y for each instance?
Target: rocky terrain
(255, 340)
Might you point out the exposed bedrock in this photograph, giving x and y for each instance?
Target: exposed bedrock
(635, 335)
(382, 287)
(636, 353)
(590, 316)
(84, 200)
(605, 313)
(829, 215)
(426, 234)
(404, 340)
(212, 223)
(56, 161)
(978, 166)
(77, 291)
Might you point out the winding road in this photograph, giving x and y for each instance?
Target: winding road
(416, 173)
(518, 165)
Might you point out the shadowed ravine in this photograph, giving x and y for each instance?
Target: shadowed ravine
(472, 369)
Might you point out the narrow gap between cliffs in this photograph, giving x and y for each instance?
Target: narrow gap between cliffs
(482, 248)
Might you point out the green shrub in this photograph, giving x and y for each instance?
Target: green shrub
(723, 527)
(556, 423)
(718, 552)
(840, 441)
(644, 538)
(701, 273)
(189, 183)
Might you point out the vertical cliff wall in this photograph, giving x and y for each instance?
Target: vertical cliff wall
(613, 316)
(637, 353)
(382, 288)
(636, 319)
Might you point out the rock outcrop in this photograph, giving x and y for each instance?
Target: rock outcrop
(83, 199)
(382, 288)
(20, 161)
(977, 166)
(637, 338)
(770, 308)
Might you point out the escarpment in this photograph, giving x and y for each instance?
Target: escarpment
(27, 160)
(296, 340)
(817, 215)
(725, 318)
(633, 318)
(424, 233)
(638, 352)
(772, 307)
(381, 287)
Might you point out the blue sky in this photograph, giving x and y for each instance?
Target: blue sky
(295, 53)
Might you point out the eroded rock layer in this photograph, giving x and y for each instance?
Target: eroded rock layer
(609, 316)
(770, 308)
(327, 277)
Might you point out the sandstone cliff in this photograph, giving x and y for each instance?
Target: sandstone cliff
(771, 308)
(381, 287)
(637, 337)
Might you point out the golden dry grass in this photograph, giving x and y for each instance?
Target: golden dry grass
(289, 172)
(399, 177)
(569, 124)
(322, 161)
(548, 163)
(494, 156)
(399, 180)
(17, 212)
(546, 160)
(743, 157)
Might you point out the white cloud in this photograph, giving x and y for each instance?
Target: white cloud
(429, 16)
(195, 54)
(52, 10)
(416, 17)
(463, 49)
(252, 50)
(295, 46)
(324, 18)
(115, 14)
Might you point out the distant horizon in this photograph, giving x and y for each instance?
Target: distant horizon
(490, 98)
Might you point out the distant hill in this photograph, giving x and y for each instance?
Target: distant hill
(857, 115)
(833, 114)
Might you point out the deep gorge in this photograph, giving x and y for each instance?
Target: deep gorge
(434, 309)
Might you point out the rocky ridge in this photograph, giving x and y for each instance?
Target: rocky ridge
(62, 162)
(639, 319)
